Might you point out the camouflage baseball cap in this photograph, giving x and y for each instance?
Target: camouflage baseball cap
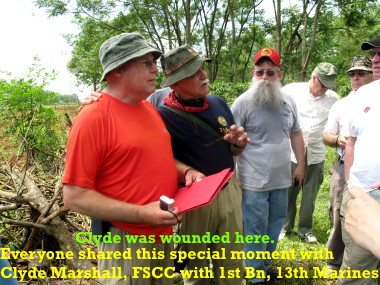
(360, 63)
(121, 48)
(180, 63)
(326, 73)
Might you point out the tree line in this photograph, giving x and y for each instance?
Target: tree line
(230, 32)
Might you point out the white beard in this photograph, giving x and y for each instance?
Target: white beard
(265, 93)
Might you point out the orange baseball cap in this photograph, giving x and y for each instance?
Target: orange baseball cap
(272, 54)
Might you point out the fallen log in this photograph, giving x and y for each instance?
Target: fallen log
(49, 220)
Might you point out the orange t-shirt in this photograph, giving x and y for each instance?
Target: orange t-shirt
(124, 152)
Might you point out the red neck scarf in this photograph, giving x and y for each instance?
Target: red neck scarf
(186, 105)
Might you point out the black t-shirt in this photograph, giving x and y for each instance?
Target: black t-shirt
(196, 147)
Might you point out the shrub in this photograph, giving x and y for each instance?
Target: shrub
(31, 125)
(228, 91)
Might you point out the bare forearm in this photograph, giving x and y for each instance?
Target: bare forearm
(330, 139)
(334, 140)
(298, 147)
(96, 205)
(181, 169)
(349, 157)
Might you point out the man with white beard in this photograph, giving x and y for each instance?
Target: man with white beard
(270, 118)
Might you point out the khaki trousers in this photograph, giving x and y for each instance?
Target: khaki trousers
(335, 243)
(310, 188)
(355, 257)
(222, 216)
(129, 267)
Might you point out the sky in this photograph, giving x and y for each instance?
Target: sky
(26, 31)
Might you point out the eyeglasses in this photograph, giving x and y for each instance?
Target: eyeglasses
(260, 73)
(320, 82)
(373, 53)
(360, 73)
(148, 63)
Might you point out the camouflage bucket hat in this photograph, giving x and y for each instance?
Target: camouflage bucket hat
(326, 73)
(121, 48)
(360, 63)
(180, 63)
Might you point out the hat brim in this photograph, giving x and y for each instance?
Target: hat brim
(186, 71)
(371, 44)
(328, 83)
(156, 54)
(359, 68)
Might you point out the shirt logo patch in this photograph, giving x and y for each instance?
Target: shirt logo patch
(367, 109)
(222, 121)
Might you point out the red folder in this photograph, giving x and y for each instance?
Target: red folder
(202, 192)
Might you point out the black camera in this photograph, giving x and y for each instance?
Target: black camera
(296, 182)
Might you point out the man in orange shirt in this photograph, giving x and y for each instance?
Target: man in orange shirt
(119, 159)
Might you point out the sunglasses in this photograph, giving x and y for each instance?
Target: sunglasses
(373, 53)
(360, 73)
(148, 63)
(270, 73)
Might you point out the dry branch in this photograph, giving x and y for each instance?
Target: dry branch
(73, 225)
(8, 207)
(25, 224)
(52, 224)
(12, 197)
(57, 194)
(59, 212)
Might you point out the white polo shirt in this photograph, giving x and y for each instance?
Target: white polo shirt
(313, 112)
